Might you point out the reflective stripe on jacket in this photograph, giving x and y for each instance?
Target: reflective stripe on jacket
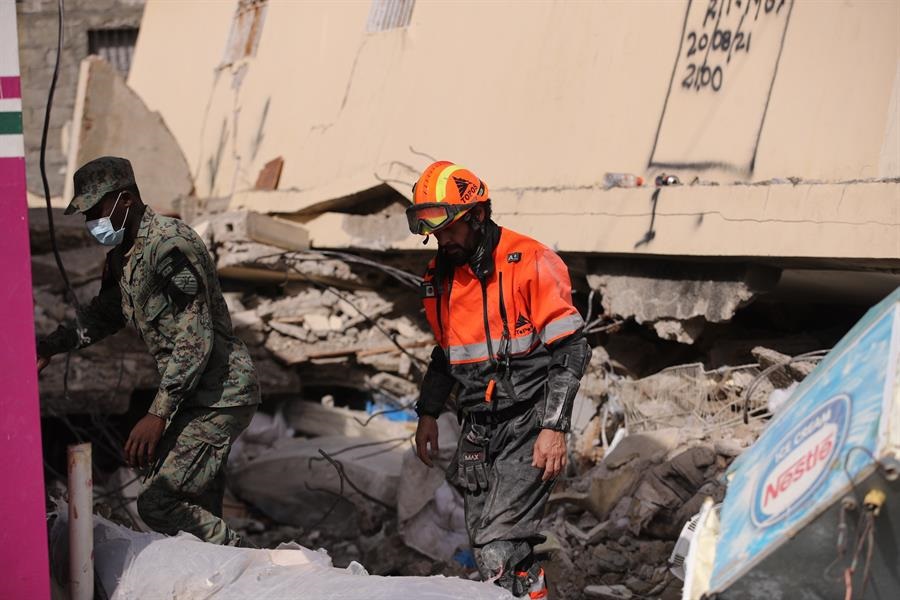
(503, 335)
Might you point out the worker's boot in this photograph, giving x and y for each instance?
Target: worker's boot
(538, 588)
(530, 584)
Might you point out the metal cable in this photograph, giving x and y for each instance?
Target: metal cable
(43, 166)
(340, 471)
(805, 357)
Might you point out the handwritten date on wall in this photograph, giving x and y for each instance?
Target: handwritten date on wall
(725, 68)
(727, 31)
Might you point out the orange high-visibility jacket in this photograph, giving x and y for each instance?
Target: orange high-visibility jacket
(501, 330)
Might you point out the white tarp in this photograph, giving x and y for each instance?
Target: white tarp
(149, 566)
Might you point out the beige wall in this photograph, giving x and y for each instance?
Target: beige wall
(527, 94)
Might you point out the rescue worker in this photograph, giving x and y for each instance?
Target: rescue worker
(500, 306)
(159, 277)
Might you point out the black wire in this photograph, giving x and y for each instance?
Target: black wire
(340, 471)
(869, 551)
(43, 167)
(70, 293)
(865, 450)
(395, 443)
(312, 459)
(406, 278)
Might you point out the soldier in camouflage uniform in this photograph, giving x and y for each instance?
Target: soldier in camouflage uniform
(160, 278)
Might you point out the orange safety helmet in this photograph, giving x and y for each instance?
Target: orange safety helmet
(442, 195)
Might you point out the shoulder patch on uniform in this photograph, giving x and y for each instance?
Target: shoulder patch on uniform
(178, 277)
(186, 281)
(513, 257)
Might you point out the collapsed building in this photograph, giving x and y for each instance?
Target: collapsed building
(758, 240)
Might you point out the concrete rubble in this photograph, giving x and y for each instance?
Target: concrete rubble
(341, 344)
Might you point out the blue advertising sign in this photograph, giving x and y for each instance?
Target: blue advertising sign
(803, 461)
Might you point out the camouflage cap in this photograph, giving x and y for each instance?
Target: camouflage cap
(97, 178)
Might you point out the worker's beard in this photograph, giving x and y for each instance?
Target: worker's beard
(458, 255)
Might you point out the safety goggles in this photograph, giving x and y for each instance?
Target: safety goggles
(425, 219)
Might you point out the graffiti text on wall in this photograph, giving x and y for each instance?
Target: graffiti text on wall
(721, 84)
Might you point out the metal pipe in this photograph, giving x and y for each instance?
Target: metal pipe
(81, 523)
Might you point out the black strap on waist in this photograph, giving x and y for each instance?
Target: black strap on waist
(492, 417)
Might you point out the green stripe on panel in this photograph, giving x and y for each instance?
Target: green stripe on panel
(10, 122)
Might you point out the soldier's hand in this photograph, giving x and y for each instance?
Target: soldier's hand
(142, 442)
(550, 453)
(42, 362)
(427, 439)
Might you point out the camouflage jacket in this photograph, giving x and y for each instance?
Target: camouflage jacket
(166, 286)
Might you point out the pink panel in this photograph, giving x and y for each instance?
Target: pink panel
(23, 532)
(10, 87)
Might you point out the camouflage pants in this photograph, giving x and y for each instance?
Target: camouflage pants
(503, 522)
(184, 489)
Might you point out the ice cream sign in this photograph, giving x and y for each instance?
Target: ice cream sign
(801, 462)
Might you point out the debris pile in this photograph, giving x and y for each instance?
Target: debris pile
(613, 524)
(341, 345)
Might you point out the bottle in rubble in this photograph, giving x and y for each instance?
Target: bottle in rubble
(624, 180)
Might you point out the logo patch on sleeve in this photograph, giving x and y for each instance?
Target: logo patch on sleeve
(513, 257)
(185, 281)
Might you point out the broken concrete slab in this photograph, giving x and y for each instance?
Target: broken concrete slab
(608, 592)
(249, 226)
(387, 229)
(788, 372)
(315, 419)
(193, 210)
(649, 445)
(111, 119)
(365, 198)
(253, 262)
(680, 298)
(294, 483)
(606, 488)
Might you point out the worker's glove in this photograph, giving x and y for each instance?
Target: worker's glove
(472, 469)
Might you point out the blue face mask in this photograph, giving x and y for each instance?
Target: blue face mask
(103, 231)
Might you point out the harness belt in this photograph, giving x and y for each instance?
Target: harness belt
(493, 417)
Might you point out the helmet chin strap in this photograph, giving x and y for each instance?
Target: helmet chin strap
(482, 259)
